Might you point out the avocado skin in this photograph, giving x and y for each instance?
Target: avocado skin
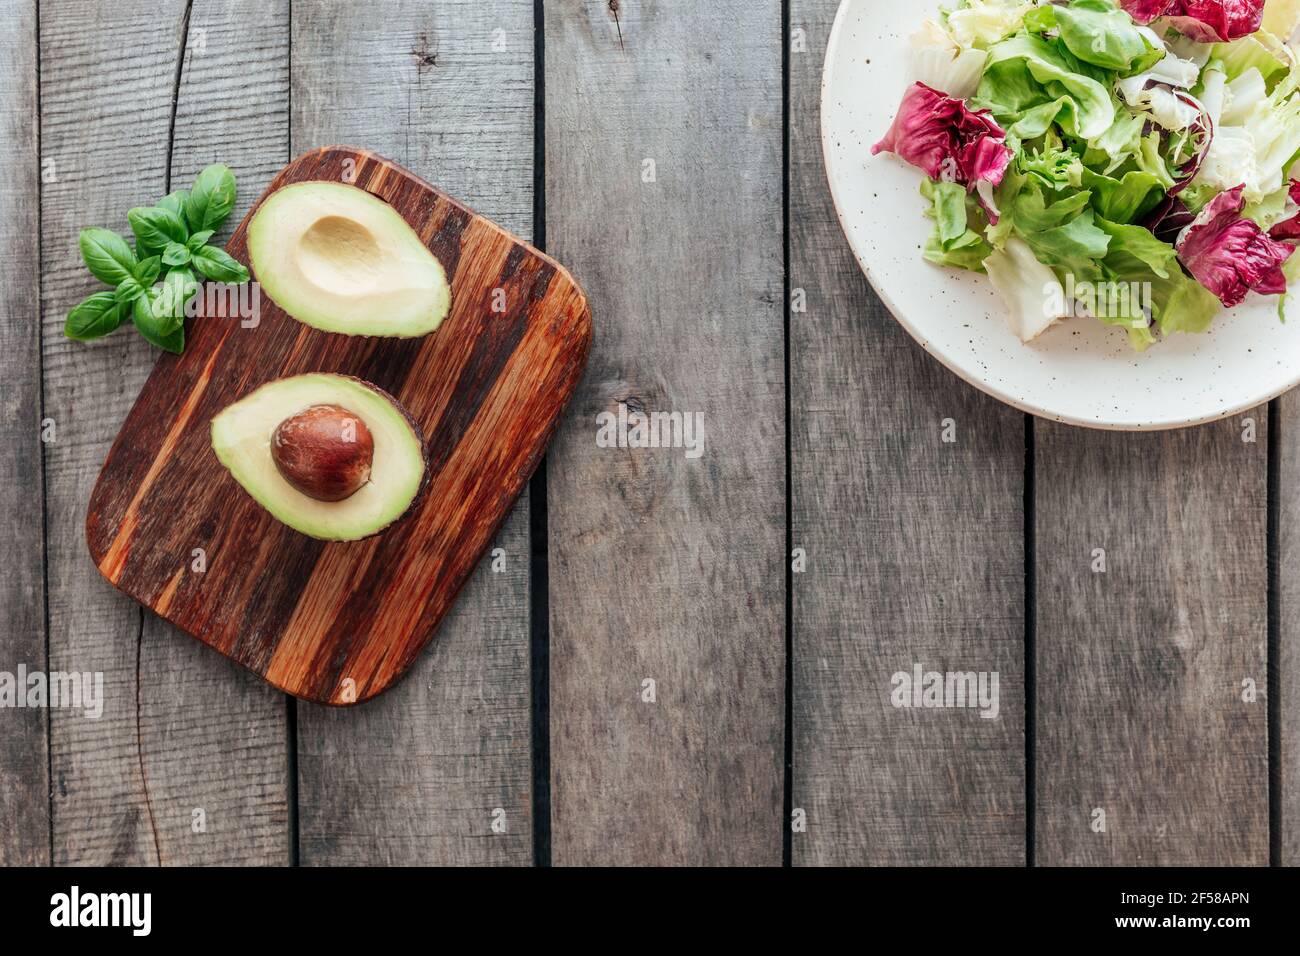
(418, 498)
(270, 216)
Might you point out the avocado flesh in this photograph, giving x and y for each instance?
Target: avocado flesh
(241, 437)
(339, 259)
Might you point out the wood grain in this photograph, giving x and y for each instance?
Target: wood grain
(416, 776)
(1286, 435)
(1140, 709)
(104, 148)
(213, 736)
(24, 757)
(914, 555)
(663, 567)
(183, 731)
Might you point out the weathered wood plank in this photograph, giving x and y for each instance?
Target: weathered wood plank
(914, 554)
(181, 730)
(1140, 668)
(663, 195)
(24, 757)
(197, 711)
(1286, 436)
(106, 143)
(422, 774)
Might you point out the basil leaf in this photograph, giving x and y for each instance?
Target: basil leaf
(164, 331)
(175, 254)
(175, 202)
(182, 274)
(217, 264)
(108, 256)
(146, 271)
(198, 240)
(128, 290)
(94, 317)
(211, 198)
(178, 288)
(154, 227)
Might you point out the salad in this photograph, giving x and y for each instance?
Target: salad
(1130, 160)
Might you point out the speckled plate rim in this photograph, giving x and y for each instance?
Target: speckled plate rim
(950, 363)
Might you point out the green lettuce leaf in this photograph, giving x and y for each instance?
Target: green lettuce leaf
(1097, 32)
(1031, 291)
(1033, 81)
(978, 23)
(1238, 56)
(1290, 269)
(954, 243)
(1052, 164)
(1181, 304)
(1270, 210)
(1057, 227)
(1126, 199)
(1121, 142)
(1150, 159)
(1135, 254)
(1070, 244)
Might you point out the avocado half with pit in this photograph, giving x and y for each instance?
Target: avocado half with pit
(339, 259)
(329, 455)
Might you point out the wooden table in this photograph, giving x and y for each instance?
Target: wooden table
(827, 538)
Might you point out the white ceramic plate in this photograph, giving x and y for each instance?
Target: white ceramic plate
(1078, 371)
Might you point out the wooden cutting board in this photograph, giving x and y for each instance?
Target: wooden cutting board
(340, 622)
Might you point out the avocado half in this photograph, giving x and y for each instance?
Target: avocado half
(245, 436)
(341, 260)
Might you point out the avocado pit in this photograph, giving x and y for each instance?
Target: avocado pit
(324, 451)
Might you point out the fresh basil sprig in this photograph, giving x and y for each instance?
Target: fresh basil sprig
(211, 198)
(156, 226)
(170, 241)
(218, 264)
(108, 256)
(97, 315)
